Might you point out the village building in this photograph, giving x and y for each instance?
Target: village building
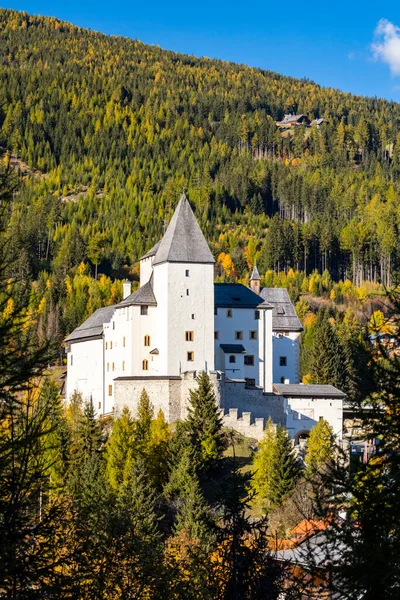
(293, 121)
(179, 323)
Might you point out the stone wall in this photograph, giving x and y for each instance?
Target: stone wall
(164, 393)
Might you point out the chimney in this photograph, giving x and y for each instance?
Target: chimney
(255, 281)
(127, 288)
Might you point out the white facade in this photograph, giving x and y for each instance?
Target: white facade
(304, 413)
(85, 366)
(286, 352)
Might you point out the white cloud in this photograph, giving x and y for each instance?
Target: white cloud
(386, 46)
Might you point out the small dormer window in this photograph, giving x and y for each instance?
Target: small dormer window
(187, 273)
(144, 310)
(257, 315)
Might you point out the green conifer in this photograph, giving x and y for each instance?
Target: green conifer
(120, 449)
(205, 425)
(145, 415)
(320, 446)
(285, 469)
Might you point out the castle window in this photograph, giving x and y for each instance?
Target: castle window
(189, 336)
(282, 380)
(249, 360)
(229, 313)
(216, 335)
(110, 345)
(123, 341)
(257, 315)
(99, 404)
(192, 316)
(108, 366)
(144, 310)
(187, 273)
(110, 390)
(113, 366)
(113, 324)
(190, 356)
(282, 361)
(187, 292)
(145, 365)
(232, 358)
(72, 360)
(238, 335)
(106, 345)
(253, 335)
(123, 365)
(147, 340)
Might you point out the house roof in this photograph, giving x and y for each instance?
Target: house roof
(255, 276)
(232, 348)
(297, 390)
(144, 295)
(152, 251)
(284, 317)
(183, 241)
(292, 118)
(93, 326)
(236, 295)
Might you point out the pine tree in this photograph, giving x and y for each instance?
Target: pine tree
(158, 450)
(244, 567)
(285, 469)
(320, 447)
(204, 425)
(135, 539)
(119, 450)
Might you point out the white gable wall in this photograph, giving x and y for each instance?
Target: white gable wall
(304, 413)
(85, 371)
(146, 269)
(286, 345)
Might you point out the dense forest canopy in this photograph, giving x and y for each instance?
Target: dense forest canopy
(112, 130)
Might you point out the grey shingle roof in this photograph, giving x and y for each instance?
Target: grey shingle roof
(152, 251)
(231, 295)
(232, 348)
(183, 241)
(255, 276)
(309, 391)
(93, 326)
(144, 295)
(284, 317)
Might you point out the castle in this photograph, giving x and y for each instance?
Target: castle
(178, 323)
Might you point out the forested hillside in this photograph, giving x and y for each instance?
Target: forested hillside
(131, 125)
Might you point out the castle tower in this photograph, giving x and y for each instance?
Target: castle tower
(255, 281)
(183, 276)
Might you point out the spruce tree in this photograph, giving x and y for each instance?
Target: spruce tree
(204, 425)
(326, 361)
(285, 469)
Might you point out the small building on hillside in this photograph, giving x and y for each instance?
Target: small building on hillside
(293, 120)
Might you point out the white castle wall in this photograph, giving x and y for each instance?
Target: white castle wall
(85, 371)
(288, 346)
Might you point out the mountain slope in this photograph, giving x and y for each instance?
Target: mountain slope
(141, 123)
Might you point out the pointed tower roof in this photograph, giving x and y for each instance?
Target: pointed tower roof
(183, 241)
(255, 276)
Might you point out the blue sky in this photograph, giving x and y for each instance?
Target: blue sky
(335, 44)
